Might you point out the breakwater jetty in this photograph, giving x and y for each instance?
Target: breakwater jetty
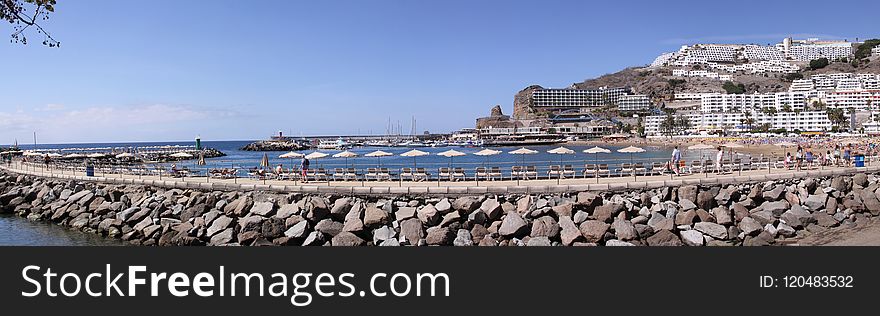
(721, 214)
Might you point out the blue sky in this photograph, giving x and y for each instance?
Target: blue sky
(229, 70)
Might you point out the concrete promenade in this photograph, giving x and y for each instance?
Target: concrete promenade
(442, 188)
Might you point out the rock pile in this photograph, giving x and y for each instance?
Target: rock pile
(749, 214)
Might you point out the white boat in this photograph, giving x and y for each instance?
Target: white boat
(413, 144)
(338, 144)
(440, 144)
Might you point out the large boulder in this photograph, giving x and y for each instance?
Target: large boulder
(815, 202)
(412, 230)
(664, 238)
(712, 229)
(569, 233)
(624, 229)
(687, 192)
(347, 239)
(692, 237)
(545, 226)
(374, 217)
(513, 225)
(593, 230)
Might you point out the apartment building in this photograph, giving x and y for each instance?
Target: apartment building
(562, 99)
(813, 48)
(634, 102)
(717, 102)
(859, 100)
(755, 52)
(875, 51)
(802, 85)
(735, 122)
(702, 74)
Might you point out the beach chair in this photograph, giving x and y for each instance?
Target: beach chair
(338, 174)
(406, 174)
(320, 174)
(567, 171)
(481, 173)
(495, 172)
(626, 169)
(444, 172)
(640, 168)
(603, 169)
(696, 166)
(531, 172)
(657, 168)
(517, 172)
(458, 174)
(350, 174)
(555, 171)
(421, 174)
(383, 174)
(590, 170)
(372, 173)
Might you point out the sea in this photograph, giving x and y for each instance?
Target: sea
(242, 160)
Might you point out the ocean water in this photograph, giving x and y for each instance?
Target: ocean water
(18, 231)
(247, 159)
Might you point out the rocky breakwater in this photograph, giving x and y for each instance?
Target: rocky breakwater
(775, 212)
(274, 145)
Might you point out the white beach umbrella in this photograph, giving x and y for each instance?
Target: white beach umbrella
(414, 153)
(450, 154)
(523, 151)
(485, 153)
(345, 154)
(291, 155)
(560, 151)
(596, 150)
(316, 155)
(378, 154)
(631, 150)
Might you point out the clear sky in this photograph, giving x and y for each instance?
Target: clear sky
(230, 70)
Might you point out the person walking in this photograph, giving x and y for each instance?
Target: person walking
(676, 159)
(799, 158)
(718, 157)
(304, 166)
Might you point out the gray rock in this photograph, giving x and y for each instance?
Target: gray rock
(429, 215)
(624, 229)
(299, 230)
(796, 217)
(749, 226)
(329, 227)
(824, 220)
(563, 210)
(569, 233)
(411, 230)
(686, 205)
(443, 206)
(593, 230)
(513, 225)
(774, 194)
(580, 217)
(383, 233)
(463, 238)
(287, 210)
(390, 243)
(404, 213)
(722, 215)
(659, 222)
(617, 243)
(263, 208)
(492, 209)
(705, 200)
(545, 226)
(712, 229)
(777, 208)
(687, 192)
(374, 217)
(539, 242)
(218, 225)
(438, 236)
(692, 237)
(223, 237)
(340, 208)
(664, 238)
(314, 239)
(763, 217)
(466, 204)
(450, 218)
(784, 230)
(346, 239)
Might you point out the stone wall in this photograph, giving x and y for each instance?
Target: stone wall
(764, 213)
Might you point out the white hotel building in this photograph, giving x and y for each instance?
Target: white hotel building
(710, 122)
(634, 102)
